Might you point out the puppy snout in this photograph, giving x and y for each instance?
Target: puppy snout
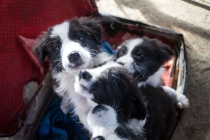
(84, 75)
(99, 108)
(74, 57)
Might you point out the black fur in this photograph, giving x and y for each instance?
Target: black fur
(87, 31)
(98, 108)
(41, 45)
(115, 87)
(89, 27)
(161, 113)
(112, 88)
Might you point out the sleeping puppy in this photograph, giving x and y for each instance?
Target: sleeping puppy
(71, 46)
(144, 59)
(125, 111)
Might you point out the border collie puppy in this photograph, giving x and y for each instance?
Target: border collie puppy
(144, 59)
(146, 112)
(71, 46)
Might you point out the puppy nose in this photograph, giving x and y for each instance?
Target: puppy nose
(84, 75)
(74, 56)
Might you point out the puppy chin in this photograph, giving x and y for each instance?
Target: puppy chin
(74, 69)
(70, 68)
(80, 90)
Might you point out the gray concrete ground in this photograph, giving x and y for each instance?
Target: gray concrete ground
(192, 19)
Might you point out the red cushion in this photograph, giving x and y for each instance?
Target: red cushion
(29, 19)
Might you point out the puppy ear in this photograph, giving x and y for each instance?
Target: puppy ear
(40, 47)
(93, 26)
(167, 50)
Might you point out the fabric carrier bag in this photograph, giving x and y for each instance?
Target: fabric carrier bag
(27, 102)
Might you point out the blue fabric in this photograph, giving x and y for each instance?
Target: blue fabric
(107, 48)
(58, 126)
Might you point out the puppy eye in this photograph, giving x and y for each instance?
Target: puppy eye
(122, 51)
(137, 75)
(139, 54)
(113, 79)
(94, 85)
(81, 38)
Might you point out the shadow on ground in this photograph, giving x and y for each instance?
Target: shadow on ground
(156, 17)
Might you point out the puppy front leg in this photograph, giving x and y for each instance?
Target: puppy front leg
(182, 100)
(65, 105)
(102, 121)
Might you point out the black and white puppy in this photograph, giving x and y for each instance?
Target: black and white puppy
(71, 46)
(144, 59)
(128, 112)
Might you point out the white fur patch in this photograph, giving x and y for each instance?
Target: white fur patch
(97, 71)
(79, 89)
(103, 123)
(153, 80)
(136, 125)
(132, 43)
(103, 57)
(127, 59)
(61, 30)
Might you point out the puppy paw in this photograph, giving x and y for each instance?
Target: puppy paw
(102, 116)
(182, 101)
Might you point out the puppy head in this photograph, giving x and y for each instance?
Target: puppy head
(108, 84)
(71, 45)
(143, 57)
